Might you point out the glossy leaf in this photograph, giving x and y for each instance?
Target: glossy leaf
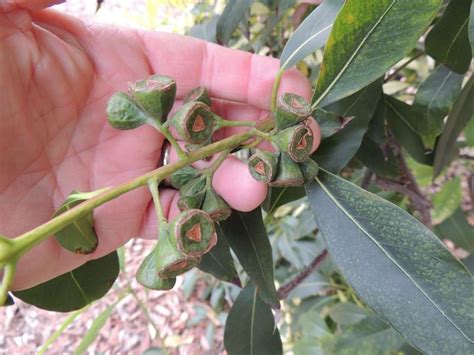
(370, 336)
(347, 313)
(248, 238)
(457, 229)
(434, 98)
(233, 13)
(403, 121)
(78, 237)
(75, 289)
(336, 151)
(250, 327)
(446, 200)
(94, 330)
(448, 41)
(373, 157)
(458, 118)
(425, 293)
(329, 122)
(218, 261)
(367, 38)
(278, 196)
(311, 34)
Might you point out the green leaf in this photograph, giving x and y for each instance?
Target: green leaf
(218, 261)
(233, 13)
(373, 157)
(397, 266)
(336, 151)
(370, 336)
(311, 34)
(469, 133)
(347, 313)
(310, 286)
(95, 328)
(434, 98)
(403, 121)
(457, 229)
(278, 196)
(367, 38)
(448, 41)
(446, 200)
(458, 118)
(471, 28)
(329, 122)
(250, 327)
(79, 236)
(75, 289)
(205, 31)
(248, 238)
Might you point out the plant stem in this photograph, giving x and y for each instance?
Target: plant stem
(7, 280)
(31, 238)
(394, 74)
(276, 85)
(165, 132)
(227, 123)
(161, 220)
(285, 290)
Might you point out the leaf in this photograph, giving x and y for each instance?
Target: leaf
(471, 28)
(336, 151)
(250, 327)
(95, 328)
(447, 200)
(329, 122)
(218, 261)
(397, 266)
(469, 133)
(434, 98)
(458, 118)
(403, 121)
(233, 13)
(310, 286)
(75, 289)
(370, 336)
(79, 236)
(373, 157)
(457, 229)
(367, 38)
(311, 34)
(205, 31)
(278, 196)
(347, 313)
(448, 41)
(248, 238)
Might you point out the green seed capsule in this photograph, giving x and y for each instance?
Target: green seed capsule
(182, 176)
(216, 206)
(155, 95)
(297, 141)
(147, 274)
(310, 170)
(194, 122)
(199, 94)
(288, 173)
(193, 187)
(263, 165)
(171, 262)
(291, 110)
(123, 113)
(194, 232)
(191, 201)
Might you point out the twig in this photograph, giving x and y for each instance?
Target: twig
(285, 290)
(394, 74)
(367, 178)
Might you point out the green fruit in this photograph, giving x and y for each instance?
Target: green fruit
(296, 141)
(199, 94)
(288, 173)
(123, 113)
(263, 165)
(194, 122)
(215, 206)
(147, 274)
(291, 110)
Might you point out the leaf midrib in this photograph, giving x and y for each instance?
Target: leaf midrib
(353, 56)
(336, 202)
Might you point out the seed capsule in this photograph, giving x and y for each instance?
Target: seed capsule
(263, 165)
(199, 94)
(288, 173)
(194, 122)
(309, 169)
(215, 206)
(192, 201)
(182, 176)
(296, 141)
(194, 232)
(291, 110)
(123, 113)
(147, 274)
(155, 95)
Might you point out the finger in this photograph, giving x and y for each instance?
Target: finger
(227, 73)
(28, 4)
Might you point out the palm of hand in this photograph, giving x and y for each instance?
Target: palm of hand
(58, 75)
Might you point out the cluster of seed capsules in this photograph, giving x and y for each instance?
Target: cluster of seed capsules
(192, 233)
(291, 165)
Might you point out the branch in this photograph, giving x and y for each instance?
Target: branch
(285, 290)
(394, 74)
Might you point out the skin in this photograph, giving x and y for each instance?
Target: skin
(57, 74)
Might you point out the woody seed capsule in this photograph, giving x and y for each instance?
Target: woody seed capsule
(288, 173)
(123, 113)
(296, 141)
(263, 165)
(147, 274)
(199, 94)
(194, 122)
(291, 110)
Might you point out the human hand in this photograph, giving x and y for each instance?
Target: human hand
(58, 73)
